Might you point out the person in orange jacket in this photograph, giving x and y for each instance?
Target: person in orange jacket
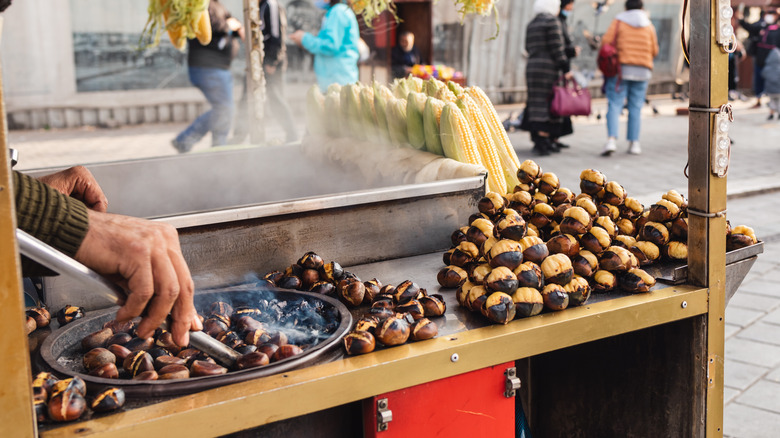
(637, 45)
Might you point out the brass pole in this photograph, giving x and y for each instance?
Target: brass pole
(255, 76)
(707, 194)
(16, 410)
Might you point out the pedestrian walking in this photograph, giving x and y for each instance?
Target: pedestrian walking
(273, 26)
(209, 70)
(771, 74)
(637, 44)
(335, 47)
(572, 51)
(547, 61)
(754, 30)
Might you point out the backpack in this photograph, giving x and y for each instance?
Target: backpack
(607, 60)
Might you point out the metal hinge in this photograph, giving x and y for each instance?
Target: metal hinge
(512, 383)
(383, 415)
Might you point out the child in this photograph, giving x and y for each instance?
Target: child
(771, 74)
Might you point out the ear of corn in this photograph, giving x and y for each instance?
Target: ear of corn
(431, 120)
(432, 86)
(368, 113)
(445, 94)
(332, 108)
(381, 96)
(396, 121)
(485, 144)
(314, 110)
(350, 111)
(457, 141)
(456, 89)
(506, 153)
(415, 84)
(401, 88)
(415, 105)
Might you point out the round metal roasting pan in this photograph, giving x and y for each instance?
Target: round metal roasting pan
(61, 351)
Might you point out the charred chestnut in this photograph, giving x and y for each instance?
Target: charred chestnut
(97, 357)
(367, 323)
(41, 316)
(163, 361)
(472, 298)
(491, 204)
(510, 226)
(246, 349)
(499, 308)
(381, 313)
(214, 325)
(562, 196)
(279, 338)
(616, 258)
(555, 297)
(69, 314)
(506, 253)
(458, 236)
(645, 252)
(636, 281)
(268, 349)
(393, 331)
(522, 202)
(290, 282)
(412, 307)
(138, 344)
(528, 301)
(446, 257)
(528, 172)
(478, 273)
(274, 276)
(563, 244)
(534, 249)
(576, 221)
(465, 253)
(373, 287)
(406, 291)
(46, 382)
(165, 340)
(740, 237)
(654, 232)
(592, 181)
(331, 272)
(252, 360)
(604, 281)
(423, 329)
(30, 325)
(106, 371)
(501, 279)
(257, 337)
(451, 277)
(247, 323)
(67, 405)
(310, 260)
(679, 230)
(359, 342)
(201, 368)
(596, 240)
(585, 263)
(557, 269)
(614, 193)
(611, 211)
(286, 351)
(549, 183)
(323, 287)
(109, 400)
(578, 290)
(480, 231)
(71, 384)
(529, 274)
(663, 211)
(221, 308)
(542, 215)
(138, 362)
(462, 293)
(146, 375)
(351, 291)
(433, 305)
(308, 278)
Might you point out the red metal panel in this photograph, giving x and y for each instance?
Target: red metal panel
(467, 405)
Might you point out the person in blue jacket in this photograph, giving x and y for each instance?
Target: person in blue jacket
(335, 47)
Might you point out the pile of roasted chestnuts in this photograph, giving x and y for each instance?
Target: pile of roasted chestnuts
(543, 247)
(397, 314)
(66, 400)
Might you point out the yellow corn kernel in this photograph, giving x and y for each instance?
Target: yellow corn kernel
(457, 139)
(485, 144)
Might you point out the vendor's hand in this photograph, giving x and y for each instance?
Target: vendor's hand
(147, 257)
(568, 75)
(270, 69)
(78, 182)
(297, 37)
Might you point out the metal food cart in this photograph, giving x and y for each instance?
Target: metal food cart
(641, 365)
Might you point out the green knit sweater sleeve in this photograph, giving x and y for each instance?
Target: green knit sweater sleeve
(56, 219)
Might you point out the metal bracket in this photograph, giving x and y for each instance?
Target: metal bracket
(14, 156)
(383, 415)
(512, 383)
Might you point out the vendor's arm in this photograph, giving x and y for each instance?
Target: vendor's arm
(78, 182)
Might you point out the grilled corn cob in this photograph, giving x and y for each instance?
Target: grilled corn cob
(485, 144)
(396, 120)
(415, 105)
(431, 121)
(457, 139)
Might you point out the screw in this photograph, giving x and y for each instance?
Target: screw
(383, 404)
(454, 357)
(684, 304)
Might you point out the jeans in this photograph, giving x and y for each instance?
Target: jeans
(758, 79)
(635, 92)
(217, 85)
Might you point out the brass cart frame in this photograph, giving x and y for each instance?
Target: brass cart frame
(249, 404)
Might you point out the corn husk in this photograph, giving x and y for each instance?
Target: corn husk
(315, 107)
(431, 119)
(415, 105)
(396, 121)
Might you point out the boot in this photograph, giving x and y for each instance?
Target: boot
(542, 146)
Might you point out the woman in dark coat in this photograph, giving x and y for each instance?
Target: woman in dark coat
(547, 61)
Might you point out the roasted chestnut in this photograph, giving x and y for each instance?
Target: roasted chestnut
(41, 410)
(596, 240)
(71, 384)
(290, 282)
(69, 314)
(406, 291)
(367, 323)
(359, 342)
(373, 287)
(563, 244)
(555, 297)
(645, 252)
(351, 291)
(247, 323)
(588, 205)
(614, 193)
(41, 316)
(30, 324)
(268, 349)
(381, 313)
(491, 204)
(393, 331)
(506, 253)
(257, 337)
(201, 368)
(146, 375)
(534, 249)
(624, 241)
(616, 258)
(473, 296)
(97, 357)
(413, 308)
(120, 352)
(501, 279)
(740, 237)
(331, 272)
(528, 301)
(636, 281)
(499, 308)
(528, 172)
(585, 263)
(274, 276)
(529, 274)
(458, 236)
(311, 260)
(479, 231)
(510, 226)
(424, 329)
(557, 269)
(522, 202)
(173, 372)
(214, 325)
(138, 344)
(451, 276)
(549, 183)
(106, 371)
(446, 257)
(119, 339)
(611, 211)
(67, 405)
(252, 360)
(663, 211)
(559, 211)
(286, 351)
(279, 338)
(578, 290)
(433, 305)
(462, 293)
(109, 400)
(677, 250)
(163, 361)
(138, 362)
(562, 196)
(323, 287)
(46, 382)
(654, 232)
(604, 281)
(465, 253)
(626, 227)
(679, 230)
(542, 215)
(165, 340)
(592, 181)
(478, 273)
(309, 277)
(576, 221)
(387, 301)
(221, 308)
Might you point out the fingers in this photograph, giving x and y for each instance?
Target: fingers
(166, 290)
(184, 316)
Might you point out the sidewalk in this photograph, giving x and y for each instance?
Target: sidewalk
(752, 366)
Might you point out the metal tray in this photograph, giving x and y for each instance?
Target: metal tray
(61, 351)
(677, 273)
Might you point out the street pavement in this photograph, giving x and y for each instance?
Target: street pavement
(752, 363)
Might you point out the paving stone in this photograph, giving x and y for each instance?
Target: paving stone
(773, 376)
(740, 421)
(762, 332)
(763, 395)
(729, 394)
(740, 375)
(762, 286)
(749, 300)
(772, 317)
(730, 330)
(756, 353)
(740, 316)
